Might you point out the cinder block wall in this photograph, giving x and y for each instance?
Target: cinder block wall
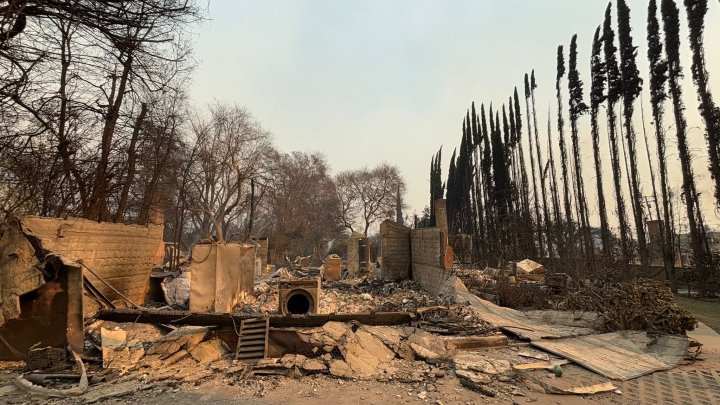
(121, 254)
(428, 250)
(353, 258)
(395, 251)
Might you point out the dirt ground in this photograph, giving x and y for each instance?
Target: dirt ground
(323, 390)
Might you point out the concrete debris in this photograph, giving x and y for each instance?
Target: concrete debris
(209, 351)
(117, 352)
(183, 338)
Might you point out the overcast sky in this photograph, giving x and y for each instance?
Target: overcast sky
(368, 81)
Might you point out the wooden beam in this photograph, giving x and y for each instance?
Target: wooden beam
(224, 319)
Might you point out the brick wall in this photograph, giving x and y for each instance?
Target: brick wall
(353, 258)
(395, 251)
(121, 254)
(428, 249)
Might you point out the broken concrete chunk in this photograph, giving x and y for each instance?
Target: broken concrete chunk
(313, 365)
(186, 338)
(363, 352)
(480, 363)
(117, 352)
(267, 363)
(391, 337)
(339, 368)
(427, 346)
(208, 351)
(336, 330)
(292, 360)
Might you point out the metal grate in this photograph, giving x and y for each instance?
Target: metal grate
(253, 339)
(682, 388)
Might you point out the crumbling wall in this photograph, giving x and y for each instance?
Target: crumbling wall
(429, 262)
(120, 254)
(395, 251)
(353, 256)
(18, 274)
(222, 275)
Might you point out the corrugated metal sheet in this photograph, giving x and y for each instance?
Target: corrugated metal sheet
(620, 355)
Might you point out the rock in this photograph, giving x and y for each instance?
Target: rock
(478, 362)
(186, 338)
(117, 352)
(366, 296)
(336, 330)
(477, 378)
(339, 368)
(292, 360)
(391, 337)
(209, 351)
(363, 352)
(422, 394)
(267, 363)
(439, 373)
(405, 351)
(313, 365)
(427, 346)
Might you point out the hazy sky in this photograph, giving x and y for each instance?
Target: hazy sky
(366, 82)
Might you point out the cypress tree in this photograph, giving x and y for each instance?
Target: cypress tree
(561, 239)
(696, 11)
(577, 107)
(487, 175)
(561, 140)
(658, 80)
(525, 187)
(631, 87)
(536, 200)
(613, 96)
(478, 213)
(597, 97)
(671, 26)
(541, 174)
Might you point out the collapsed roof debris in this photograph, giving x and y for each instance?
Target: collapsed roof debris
(428, 331)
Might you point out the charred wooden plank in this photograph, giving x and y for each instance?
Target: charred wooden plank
(224, 319)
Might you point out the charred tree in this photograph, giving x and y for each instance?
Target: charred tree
(658, 80)
(631, 87)
(561, 140)
(613, 96)
(577, 108)
(536, 199)
(671, 26)
(597, 97)
(696, 11)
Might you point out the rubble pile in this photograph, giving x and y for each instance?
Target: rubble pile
(452, 320)
(372, 294)
(494, 285)
(639, 305)
(362, 352)
(349, 296)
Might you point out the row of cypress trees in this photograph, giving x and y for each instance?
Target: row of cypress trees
(515, 212)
